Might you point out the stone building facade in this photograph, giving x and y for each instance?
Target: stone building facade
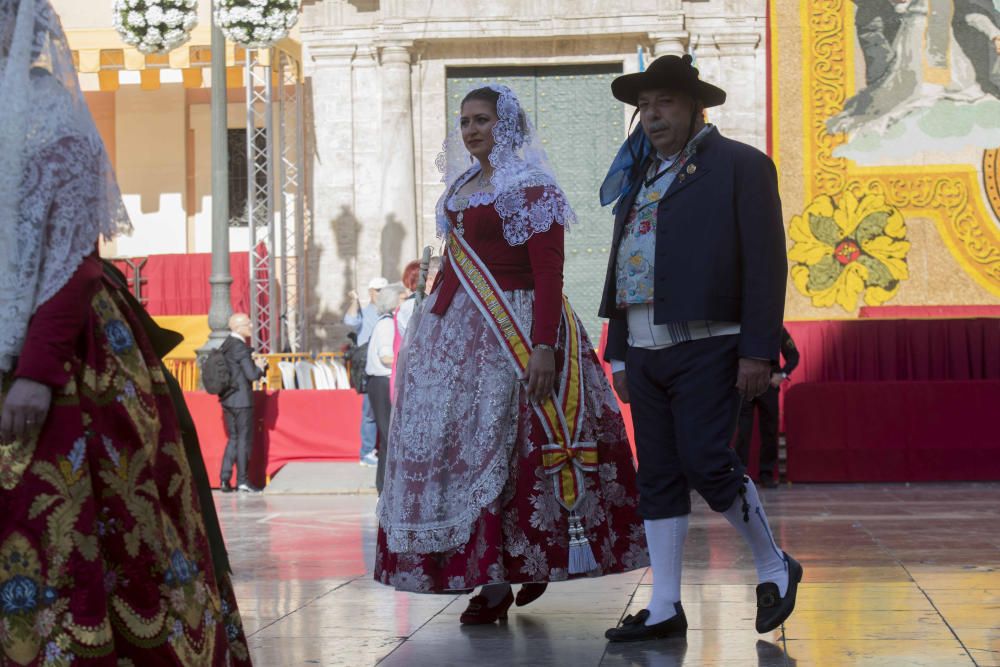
(384, 77)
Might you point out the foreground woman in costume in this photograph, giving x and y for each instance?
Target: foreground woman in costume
(510, 461)
(104, 555)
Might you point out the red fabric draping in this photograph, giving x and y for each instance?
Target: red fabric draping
(869, 365)
(897, 350)
(299, 425)
(178, 284)
(893, 431)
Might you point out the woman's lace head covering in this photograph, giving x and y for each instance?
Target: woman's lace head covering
(519, 162)
(58, 193)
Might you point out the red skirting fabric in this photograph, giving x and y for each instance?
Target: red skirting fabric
(893, 431)
(178, 284)
(298, 425)
(897, 350)
(829, 433)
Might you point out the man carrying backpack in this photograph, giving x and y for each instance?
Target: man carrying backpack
(362, 320)
(233, 383)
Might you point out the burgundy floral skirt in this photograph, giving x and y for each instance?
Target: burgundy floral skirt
(522, 535)
(104, 558)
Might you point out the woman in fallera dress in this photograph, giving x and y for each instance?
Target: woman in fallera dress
(510, 463)
(105, 557)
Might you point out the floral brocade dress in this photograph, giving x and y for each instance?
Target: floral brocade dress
(104, 558)
(467, 500)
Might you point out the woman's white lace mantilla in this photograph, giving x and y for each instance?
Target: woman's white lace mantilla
(58, 193)
(519, 164)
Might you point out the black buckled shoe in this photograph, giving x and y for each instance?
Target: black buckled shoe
(529, 593)
(226, 487)
(772, 609)
(634, 628)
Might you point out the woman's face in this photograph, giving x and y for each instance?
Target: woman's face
(477, 121)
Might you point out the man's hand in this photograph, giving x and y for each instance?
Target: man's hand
(753, 377)
(620, 385)
(541, 373)
(352, 295)
(996, 44)
(24, 410)
(777, 379)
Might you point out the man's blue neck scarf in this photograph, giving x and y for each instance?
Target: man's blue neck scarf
(623, 172)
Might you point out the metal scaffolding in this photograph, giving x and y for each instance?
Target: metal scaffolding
(260, 201)
(276, 202)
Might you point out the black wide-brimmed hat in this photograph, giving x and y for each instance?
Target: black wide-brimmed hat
(672, 73)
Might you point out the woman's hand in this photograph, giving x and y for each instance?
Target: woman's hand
(541, 373)
(24, 410)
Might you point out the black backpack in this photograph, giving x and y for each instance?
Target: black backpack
(358, 358)
(215, 373)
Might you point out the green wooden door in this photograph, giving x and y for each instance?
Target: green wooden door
(580, 126)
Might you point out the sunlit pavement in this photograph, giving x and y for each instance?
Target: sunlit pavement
(894, 575)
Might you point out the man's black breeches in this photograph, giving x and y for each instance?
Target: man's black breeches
(684, 407)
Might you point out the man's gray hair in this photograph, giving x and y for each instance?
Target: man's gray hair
(388, 298)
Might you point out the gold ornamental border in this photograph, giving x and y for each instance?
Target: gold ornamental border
(947, 194)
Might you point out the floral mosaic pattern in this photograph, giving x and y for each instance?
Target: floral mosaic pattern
(848, 250)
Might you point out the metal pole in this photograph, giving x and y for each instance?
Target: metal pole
(274, 298)
(301, 335)
(221, 279)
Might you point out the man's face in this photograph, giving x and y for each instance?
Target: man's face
(665, 116)
(372, 294)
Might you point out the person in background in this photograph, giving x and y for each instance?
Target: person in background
(379, 369)
(405, 312)
(767, 406)
(362, 320)
(237, 405)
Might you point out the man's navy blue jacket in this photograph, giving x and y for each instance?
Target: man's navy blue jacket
(720, 249)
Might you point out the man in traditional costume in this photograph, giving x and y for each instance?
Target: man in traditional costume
(695, 293)
(510, 462)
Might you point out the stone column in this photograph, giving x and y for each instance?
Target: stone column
(333, 255)
(745, 116)
(706, 59)
(672, 43)
(399, 202)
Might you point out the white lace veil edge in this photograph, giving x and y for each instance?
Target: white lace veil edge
(519, 162)
(58, 193)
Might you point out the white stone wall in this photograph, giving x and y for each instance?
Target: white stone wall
(376, 134)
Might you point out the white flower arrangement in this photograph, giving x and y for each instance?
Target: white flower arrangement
(256, 24)
(155, 26)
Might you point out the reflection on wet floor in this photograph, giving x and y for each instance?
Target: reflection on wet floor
(894, 575)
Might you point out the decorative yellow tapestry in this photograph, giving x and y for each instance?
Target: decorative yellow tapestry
(886, 130)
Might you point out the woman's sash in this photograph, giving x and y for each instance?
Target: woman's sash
(564, 458)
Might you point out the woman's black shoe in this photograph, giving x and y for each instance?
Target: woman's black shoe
(772, 609)
(529, 593)
(634, 628)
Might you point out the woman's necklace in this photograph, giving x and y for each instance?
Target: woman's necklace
(462, 202)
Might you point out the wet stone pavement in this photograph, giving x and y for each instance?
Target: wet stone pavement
(895, 575)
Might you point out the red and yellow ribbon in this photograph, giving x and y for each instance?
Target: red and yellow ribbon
(561, 414)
